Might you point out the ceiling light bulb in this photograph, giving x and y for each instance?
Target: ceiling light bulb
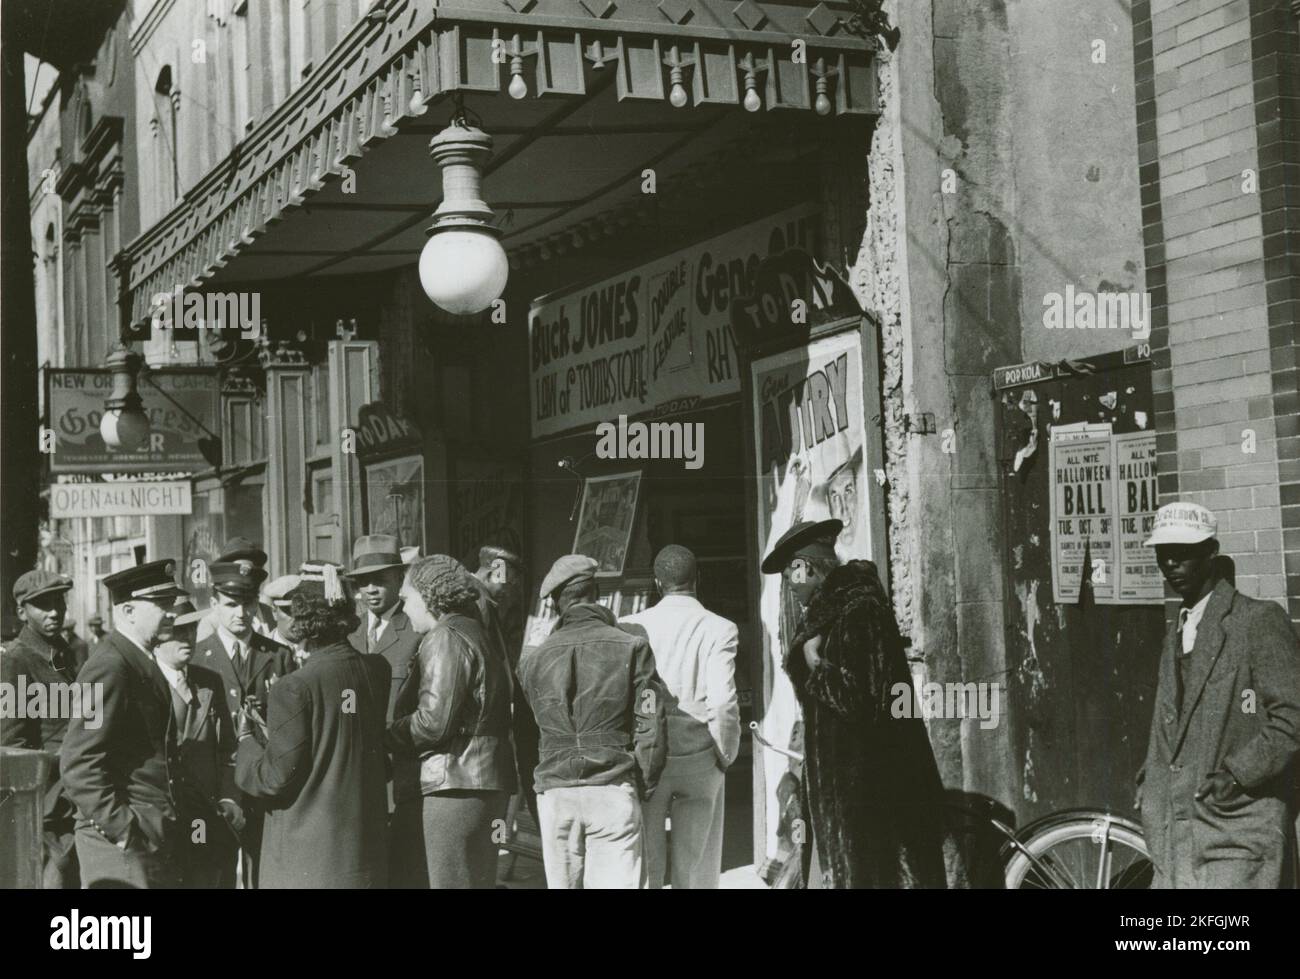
(752, 102)
(518, 87)
(677, 97)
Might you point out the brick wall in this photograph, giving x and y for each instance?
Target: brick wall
(1221, 298)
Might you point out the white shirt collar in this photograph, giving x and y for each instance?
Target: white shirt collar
(231, 641)
(1192, 616)
(173, 676)
(385, 617)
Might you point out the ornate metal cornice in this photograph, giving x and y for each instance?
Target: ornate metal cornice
(407, 53)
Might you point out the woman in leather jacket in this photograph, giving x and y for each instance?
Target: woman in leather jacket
(450, 737)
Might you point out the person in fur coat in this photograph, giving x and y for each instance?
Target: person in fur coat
(871, 786)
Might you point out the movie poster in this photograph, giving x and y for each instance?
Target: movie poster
(656, 339)
(810, 443)
(605, 521)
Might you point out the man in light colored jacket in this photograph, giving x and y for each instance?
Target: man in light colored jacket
(695, 656)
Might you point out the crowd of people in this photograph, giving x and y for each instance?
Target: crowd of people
(368, 726)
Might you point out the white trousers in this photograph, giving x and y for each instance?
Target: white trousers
(591, 837)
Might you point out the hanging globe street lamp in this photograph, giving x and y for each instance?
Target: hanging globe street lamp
(124, 425)
(463, 267)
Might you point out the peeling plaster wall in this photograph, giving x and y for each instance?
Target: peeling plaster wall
(1042, 192)
(1078, 216)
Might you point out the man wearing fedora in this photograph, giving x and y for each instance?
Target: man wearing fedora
(202, 774)
(376, 576)
(41, 657)
(871, 786)
(242, 549)
(115, 764)
(248, 664)
(1218, 790)
(377, 572)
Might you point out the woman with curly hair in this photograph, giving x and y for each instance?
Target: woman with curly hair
(450, 737)
(318, 763)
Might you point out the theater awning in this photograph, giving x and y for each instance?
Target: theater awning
(337, 179)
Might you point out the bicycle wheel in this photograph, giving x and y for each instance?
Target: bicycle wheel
(1087, 853)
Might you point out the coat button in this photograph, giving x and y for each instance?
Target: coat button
(1175, 768)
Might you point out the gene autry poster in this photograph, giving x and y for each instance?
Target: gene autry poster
(810, 442)
(656, 337)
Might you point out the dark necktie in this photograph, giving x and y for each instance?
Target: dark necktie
(1181, 661)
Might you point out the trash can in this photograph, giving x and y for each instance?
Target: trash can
(23, 774)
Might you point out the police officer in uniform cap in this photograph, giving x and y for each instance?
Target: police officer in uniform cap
(116, 764)
(248, 663)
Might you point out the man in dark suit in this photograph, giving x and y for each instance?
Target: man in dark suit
(41, 657)
(1218, 790)
(248, 664)
(203, 775)
(377, 574)
(80, 651)
(317, 760)
(115, 764)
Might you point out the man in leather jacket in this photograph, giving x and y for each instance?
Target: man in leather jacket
(603, 740)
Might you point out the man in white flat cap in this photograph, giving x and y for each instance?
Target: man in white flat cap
(1218, 790)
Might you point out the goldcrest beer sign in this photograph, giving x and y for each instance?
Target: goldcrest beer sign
(655, 339)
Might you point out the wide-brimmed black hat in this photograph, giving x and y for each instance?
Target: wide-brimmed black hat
(811, 538)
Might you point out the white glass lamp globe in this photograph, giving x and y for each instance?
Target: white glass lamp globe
(463, 270)
(125, 429)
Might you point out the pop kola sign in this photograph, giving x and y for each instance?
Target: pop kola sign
(175, 401)
(655, 335)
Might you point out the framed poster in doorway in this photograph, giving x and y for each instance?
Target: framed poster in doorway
(395, 499)
(605, 520)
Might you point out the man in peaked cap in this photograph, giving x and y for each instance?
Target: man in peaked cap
(603, 739)
(871, 787)
(236, 550)
(41, 657)
(115, 762)
(1218, 790)
(247, 662)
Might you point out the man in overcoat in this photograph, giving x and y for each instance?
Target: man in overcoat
(1218, 790)
(115, 764)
